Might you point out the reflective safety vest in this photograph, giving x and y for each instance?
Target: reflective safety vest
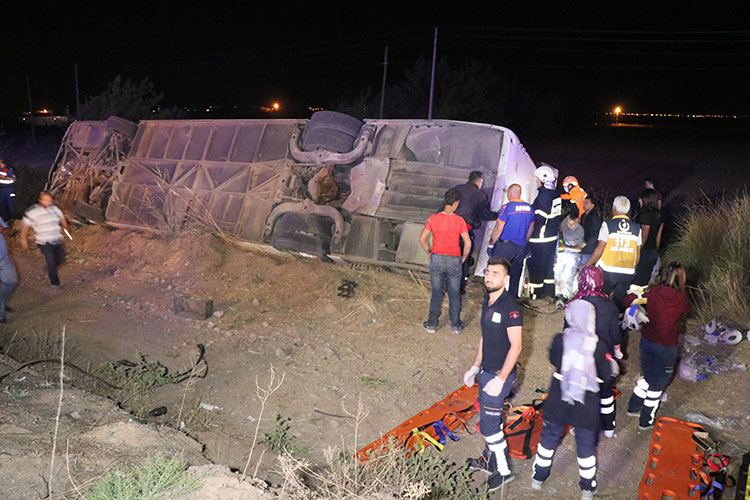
(621, 250)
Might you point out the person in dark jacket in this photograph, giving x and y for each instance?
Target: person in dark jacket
(592, 223)
(581, 363)
(543, 242)
(666, 304)
(475, 209)
(649, 217)
(590, 282)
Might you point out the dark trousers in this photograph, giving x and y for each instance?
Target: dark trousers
(8, 202)
(541, 266)
(607, 406)
(468, 263)
(657, 366)
(646, 264)
(9, 282)
(586, 441)
(54, 256)
(491, 418)
(515, 255)
(445, 271)
(617, 285)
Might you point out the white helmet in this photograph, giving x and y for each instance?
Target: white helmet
(546, 175)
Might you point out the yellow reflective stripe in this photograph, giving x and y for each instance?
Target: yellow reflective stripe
(615, 269)
(545, 214)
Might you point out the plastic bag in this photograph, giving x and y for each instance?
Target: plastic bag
(721, 423)
(698, 364)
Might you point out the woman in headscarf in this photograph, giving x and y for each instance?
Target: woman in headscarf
(590, 281)
(581, 369)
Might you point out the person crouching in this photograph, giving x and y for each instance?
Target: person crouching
(581, 364)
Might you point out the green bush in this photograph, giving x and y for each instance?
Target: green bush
(157, 478)
(712, 245)
(280, 440)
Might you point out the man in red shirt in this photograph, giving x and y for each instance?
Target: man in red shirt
(446, 260)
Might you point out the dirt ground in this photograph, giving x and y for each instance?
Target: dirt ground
(281, 311)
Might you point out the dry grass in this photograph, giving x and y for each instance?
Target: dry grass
(389, 473)
(713, 248)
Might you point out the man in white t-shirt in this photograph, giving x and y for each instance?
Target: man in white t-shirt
(48, 223)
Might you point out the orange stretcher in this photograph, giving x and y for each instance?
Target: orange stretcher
(416, 433)
(675, 461)
(522, 428)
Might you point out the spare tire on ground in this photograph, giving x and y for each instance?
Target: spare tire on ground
(305, 233)
(332, 131)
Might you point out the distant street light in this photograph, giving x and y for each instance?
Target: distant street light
(618, 110)
(273, 108)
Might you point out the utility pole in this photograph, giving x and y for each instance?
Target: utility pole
(78, 99)
(432, 77)
(31, 112)
(382, 89)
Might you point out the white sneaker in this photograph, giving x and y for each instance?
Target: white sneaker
(610, 434)
(536, 484)
(588, 494)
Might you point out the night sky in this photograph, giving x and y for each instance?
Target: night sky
(249, 54)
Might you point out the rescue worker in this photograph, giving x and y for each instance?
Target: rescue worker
(543, 241)
(618, 251)
(590, 281)
(446, 259)
(573, 193)
(580, 362)
(494, 369)
(667, 305)
(475, 209)
(515, 222)
(8, 276)
(7, 192)
(48, 223)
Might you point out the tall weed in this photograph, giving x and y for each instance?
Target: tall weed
(713, 246)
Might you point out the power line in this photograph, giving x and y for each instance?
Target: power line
(573, 30)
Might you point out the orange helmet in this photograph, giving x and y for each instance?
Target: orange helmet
(570, 180)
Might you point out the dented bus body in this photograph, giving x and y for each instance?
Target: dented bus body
(332, 186)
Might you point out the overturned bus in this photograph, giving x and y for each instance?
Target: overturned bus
(331, 186)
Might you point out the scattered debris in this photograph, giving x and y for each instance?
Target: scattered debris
(718, 331)
(209, 407)
(347, 288)
(199, 307)
(158, 412)
(721, 423)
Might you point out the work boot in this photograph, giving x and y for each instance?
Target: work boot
(497, 480)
